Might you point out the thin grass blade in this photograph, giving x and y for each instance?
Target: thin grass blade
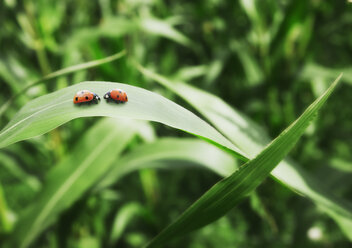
(152, 155)
(251, 139)
(70, 179)
(224, 195)
(49, 111)
(63, 72)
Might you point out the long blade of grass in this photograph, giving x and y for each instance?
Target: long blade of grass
(224, 195)
(164, 29)
(49, 111)
(128, 26)
(163, 153)
(63, 72)
(191, 151)
(71, 178)
(312, 71)
(174, 154)
(251, 139)
(123, 217)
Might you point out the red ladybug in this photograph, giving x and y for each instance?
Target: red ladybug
(85, 96)
(116, 95)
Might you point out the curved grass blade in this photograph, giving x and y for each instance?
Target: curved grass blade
(123, 217)
(313, 71)
(164, 29)
(71, 178)
(188, 150)
(227, 193)
(128, 26)
(251, 139)
(178, 153)
(47, 112)
(164, 153)
(63, 72)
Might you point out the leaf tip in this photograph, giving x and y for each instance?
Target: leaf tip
(334, 84)
(338, 78)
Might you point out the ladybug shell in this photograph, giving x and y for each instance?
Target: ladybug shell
(117, 95)
(85, 96)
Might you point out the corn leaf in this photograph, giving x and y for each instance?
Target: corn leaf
(227, 193)
(251, 139)
(70, 179)
(49, 111)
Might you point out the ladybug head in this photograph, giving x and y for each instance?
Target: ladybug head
(96, 97)
(107, 96)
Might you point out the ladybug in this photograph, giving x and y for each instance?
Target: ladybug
(85, 96)
(116, 95)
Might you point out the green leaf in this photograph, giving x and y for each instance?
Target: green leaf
(62, 72)
(313, 71)
(251, 139)
(49, 111)
(254, 74)
(125, 214)
(164, 153)
(227, 193)
(84, 36)
(150, 25)
(152, 155)
(70, 179)
(177, 153)
(161, 28)
(7, 217)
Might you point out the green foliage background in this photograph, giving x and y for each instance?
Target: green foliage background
(266, 60)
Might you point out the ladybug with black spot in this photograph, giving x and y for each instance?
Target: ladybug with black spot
(85, 96)
(116, 95)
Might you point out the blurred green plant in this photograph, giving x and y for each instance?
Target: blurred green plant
(247, 67)
(227, 193)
